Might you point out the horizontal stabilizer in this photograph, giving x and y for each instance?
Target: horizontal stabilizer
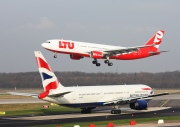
(24, 94)
(59, 94)
(156, 53)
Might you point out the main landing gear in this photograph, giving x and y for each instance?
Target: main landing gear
(107, 62)
(96, 62)
(87, 110)
(116, 110)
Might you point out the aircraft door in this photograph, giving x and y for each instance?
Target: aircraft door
(74, 97)
(131, 93)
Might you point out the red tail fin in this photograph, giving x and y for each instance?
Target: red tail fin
(49, 80)
(156, 39)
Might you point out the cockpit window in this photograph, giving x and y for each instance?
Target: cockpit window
(48, 42)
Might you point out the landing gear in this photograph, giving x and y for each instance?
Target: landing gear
(96, 62)
(86, 111)
(107, 61)
(55, 55)
(110, 64)
(115, 111)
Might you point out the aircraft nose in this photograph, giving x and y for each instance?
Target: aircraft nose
(43, 45)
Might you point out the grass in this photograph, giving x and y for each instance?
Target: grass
(8, 96)
(33, 108)
(116, 122)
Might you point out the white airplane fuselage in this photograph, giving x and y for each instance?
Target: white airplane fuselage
(93, 96)
(68, 46)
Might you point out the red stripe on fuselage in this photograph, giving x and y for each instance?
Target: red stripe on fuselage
(146, 88)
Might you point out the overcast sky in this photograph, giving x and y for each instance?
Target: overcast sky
(24, 25)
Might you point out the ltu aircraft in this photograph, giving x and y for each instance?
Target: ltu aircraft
(78, 50)
(90, 97)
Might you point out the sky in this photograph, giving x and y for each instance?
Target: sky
(24, 25)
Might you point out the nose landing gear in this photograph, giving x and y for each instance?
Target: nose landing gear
(55, 55)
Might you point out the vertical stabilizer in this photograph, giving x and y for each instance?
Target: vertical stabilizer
(156, 40)
(49, 80)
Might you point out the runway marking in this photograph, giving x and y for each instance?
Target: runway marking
(165, 103)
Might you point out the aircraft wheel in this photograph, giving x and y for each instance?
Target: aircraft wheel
(106, 61)
(98, 64)
(85, 111)
(118, 111)
(115, 111)
(112, 111)
(82, 111)
(94, 62)
(55, 56)
(110, 64)
(88, 110)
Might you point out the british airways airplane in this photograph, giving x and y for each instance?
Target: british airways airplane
(78, 50)
(90, 97)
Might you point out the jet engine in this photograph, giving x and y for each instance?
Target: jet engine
(139, 105)
(75, 57)
(96, 54)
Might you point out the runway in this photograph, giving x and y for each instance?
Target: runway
(159, 106)
(24, 121)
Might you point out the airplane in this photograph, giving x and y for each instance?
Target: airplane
(90, 97)
(78, 50)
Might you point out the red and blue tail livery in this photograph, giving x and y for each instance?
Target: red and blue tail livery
(49, 79)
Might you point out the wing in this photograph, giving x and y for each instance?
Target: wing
(59, 94)
(131, 99)
(36, 95)
(25, 94)
(125, 50)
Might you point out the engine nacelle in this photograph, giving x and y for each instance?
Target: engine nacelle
(96, 54)
(75, 57)
(139, 105)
